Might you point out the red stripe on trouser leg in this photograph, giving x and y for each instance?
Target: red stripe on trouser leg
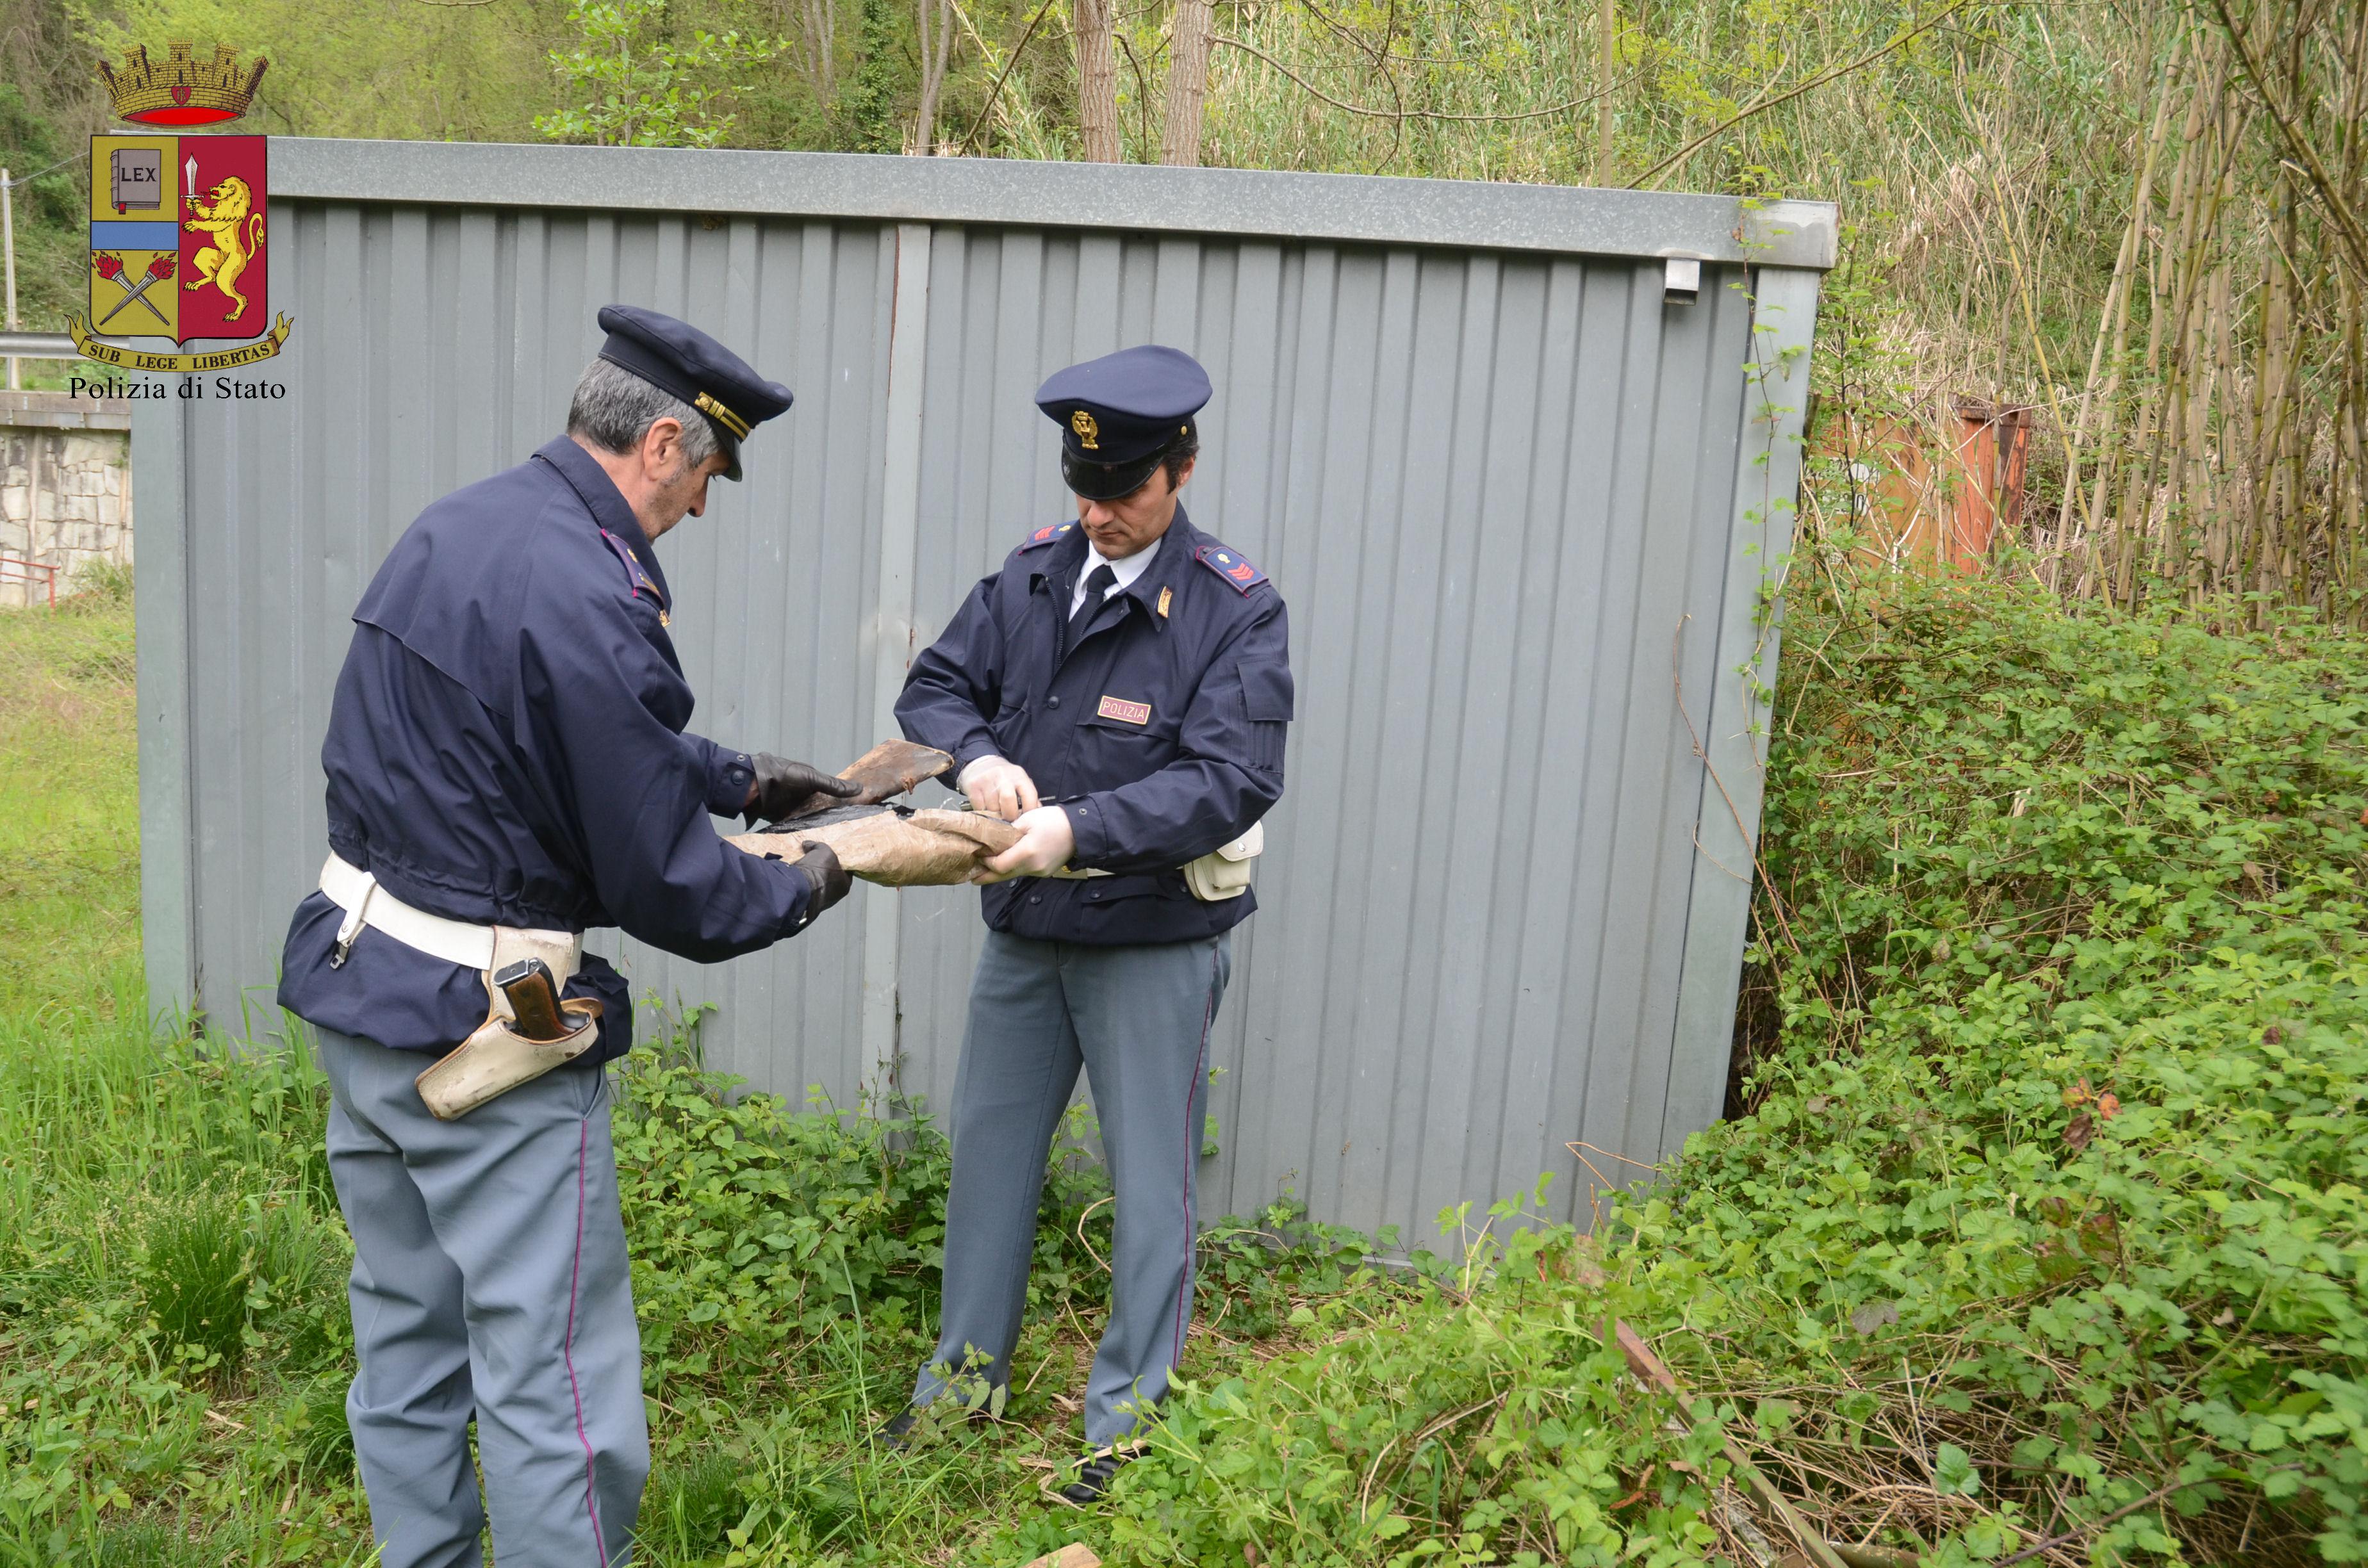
(1192, 1158)
(567, 1353)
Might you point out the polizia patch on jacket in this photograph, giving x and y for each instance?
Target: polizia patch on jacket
(1123, 711)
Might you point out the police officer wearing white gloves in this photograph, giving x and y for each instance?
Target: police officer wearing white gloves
(1120, 688)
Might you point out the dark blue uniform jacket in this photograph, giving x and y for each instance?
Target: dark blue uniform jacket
(507, 747)
(1159, 726)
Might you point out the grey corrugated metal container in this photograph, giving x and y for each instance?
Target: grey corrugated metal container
(1524, 506)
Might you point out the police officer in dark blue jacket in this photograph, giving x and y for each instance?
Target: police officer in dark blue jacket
(1120, 688)
(507, 764)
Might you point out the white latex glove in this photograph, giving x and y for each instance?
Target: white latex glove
(1046, 842)
(998, 788)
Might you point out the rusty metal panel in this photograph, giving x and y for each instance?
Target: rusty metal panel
(1520, 503)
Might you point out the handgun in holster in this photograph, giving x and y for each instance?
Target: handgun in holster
(528, 1031)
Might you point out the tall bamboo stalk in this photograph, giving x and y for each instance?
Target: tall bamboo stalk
(1607, 44)
(2097, 401)
(2227, 454)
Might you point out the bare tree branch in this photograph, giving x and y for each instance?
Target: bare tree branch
(815, 24)
(1372, 113)
(996, 92)
(1608, 44)
(936, 50)
(1763, 103)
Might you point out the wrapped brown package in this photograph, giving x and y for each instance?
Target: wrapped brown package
(892, 846)
(892, 767)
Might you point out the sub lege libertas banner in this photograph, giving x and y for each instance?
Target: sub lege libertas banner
(180, 231)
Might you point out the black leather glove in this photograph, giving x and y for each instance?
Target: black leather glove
(783, 786)
(828, 878)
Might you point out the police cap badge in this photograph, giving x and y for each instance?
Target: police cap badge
(1120, 414)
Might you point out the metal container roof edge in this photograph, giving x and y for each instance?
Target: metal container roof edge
(1251, 203)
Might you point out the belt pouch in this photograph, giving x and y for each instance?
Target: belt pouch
(1224, 872)
(496, 1057)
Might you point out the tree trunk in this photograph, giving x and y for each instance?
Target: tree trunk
(815, 24)
(1097, 81)
(936, 46)
(1188, 82)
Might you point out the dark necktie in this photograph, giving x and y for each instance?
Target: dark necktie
(1098, 586)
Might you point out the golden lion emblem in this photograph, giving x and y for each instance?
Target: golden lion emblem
(227, 213)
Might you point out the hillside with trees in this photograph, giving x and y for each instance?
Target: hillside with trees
(2143, 225)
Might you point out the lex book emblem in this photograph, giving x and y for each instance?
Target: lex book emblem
(180, 226)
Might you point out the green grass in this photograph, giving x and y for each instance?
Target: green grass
(154, 1361)
(69, 805)
(174, 1337)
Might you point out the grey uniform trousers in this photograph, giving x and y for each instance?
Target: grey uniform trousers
(1137, 1018)
(489, 1279)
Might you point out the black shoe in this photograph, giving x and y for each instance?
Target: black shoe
(1094, 1476)
(896, 1432)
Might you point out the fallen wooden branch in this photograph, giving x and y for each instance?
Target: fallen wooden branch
(1655, 1372)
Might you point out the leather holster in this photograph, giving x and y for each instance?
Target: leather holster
(496, 1057)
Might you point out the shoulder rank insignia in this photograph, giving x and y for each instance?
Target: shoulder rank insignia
(1046, 535)
(635, 578)
(1227, 562)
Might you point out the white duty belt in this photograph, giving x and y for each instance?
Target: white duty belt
(1223, 873)
(365, 903)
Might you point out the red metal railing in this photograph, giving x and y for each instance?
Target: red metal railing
(14, 570)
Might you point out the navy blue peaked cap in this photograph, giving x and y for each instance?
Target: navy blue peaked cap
(1118, 414)
(679, 359)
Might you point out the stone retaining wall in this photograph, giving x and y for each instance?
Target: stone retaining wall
(65, 491)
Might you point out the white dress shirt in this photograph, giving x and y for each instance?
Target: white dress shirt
(1125, 570)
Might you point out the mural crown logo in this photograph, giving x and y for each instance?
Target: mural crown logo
(183, 90)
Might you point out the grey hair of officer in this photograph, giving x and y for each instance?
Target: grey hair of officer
(614, 408)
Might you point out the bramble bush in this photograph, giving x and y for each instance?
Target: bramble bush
(2074, 993)
(2044, 1235)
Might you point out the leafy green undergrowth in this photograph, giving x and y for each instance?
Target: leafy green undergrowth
(785, 1269)
(2043, 1239)
(175, 1343)
(174, 1346)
